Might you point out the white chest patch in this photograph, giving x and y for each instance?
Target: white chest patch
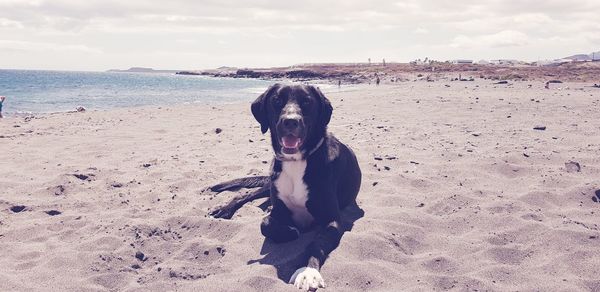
(293, 191)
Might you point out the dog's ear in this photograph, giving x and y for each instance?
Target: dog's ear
(259, 107)
(326, 108)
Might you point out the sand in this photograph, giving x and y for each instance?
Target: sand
(460, 192)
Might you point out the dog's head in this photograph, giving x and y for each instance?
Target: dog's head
(297, 116)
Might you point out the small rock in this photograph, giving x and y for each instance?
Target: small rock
(81, 176)
(135, 266)
(80, 109)
(59, 190)
(53, 212)
(539, 128)
(378, 158)
(572, 166)
(146, 165)
(17, 208)
(140, 256)
(421, 205)
(375, 183)
(218, 130)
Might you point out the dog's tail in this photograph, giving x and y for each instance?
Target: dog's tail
(238, 183)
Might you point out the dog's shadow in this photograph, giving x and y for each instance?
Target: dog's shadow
(287, 257)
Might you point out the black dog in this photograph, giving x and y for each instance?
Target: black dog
(314, 176)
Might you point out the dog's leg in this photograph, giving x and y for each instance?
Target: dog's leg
(309, 277)
(278, 226)
(227, 211)
(238, 183)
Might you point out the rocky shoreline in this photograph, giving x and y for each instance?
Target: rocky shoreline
(398, 72)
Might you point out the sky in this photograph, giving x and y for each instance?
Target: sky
(96, 35)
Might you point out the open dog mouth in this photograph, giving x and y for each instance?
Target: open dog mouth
(290, 144)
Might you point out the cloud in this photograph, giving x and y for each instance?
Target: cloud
(25, 46)
(304, 30)
(505, 38)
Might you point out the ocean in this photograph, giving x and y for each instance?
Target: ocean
(30, 91)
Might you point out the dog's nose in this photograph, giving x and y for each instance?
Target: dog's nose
(291, 124)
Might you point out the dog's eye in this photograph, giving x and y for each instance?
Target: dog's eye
(278, 102)
(305, 102)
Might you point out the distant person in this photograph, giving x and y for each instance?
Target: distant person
(339, 83)
(2, 98)
(377, 81)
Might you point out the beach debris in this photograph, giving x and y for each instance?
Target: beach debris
(572, 166)
(218, 130)
(146, 165)
(540, 128)
(375, 183)
(80, 109)
(420, 205)
(17, 208)
(53, 212)
(501, 82)
(116, 185)
(140, 256)
(476, 134)
(414, 162)
(378, 158)
(525, 154)
(554, 81)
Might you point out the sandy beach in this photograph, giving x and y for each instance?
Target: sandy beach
(459, 192)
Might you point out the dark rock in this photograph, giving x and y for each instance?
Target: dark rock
(135, 266)
(539, 128)
(140, 256)
(81, 176)
(421, 205)
(17, 208)
(187, 73)
(53, 212)
(116, 185)
(146, 165)
(375, 183)
(218, 130)
(502, 82)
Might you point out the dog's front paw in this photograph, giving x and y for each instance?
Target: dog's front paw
(224, 212)
(307, 279)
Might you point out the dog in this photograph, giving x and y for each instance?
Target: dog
(313, 177)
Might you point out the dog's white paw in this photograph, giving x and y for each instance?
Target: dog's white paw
(307, 279)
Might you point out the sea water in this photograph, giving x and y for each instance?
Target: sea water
(30, 91)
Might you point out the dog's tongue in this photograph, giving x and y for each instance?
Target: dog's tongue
(290, 142)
